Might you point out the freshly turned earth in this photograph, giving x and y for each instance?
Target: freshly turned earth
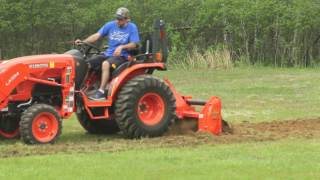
(181, 134)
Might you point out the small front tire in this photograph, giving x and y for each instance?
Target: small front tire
(9, 127)
(40, 124)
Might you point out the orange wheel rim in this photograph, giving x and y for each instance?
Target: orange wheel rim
(45, 127)
(151, 108)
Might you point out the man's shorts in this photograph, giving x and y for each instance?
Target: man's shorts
(114, 61)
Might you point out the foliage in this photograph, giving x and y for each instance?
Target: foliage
(271, 32)
(218, 58)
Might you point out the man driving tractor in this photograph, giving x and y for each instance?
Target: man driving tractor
(39, 91)
(122, 36)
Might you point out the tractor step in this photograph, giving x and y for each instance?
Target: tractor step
(95, 103)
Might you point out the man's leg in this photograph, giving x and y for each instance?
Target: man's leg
(108, 65)
(97, 64)
(96, 61)
(105, 75)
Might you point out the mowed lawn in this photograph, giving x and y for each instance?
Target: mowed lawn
(248, 95)
(255, 94)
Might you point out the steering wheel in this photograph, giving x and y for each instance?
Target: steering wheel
(86, 48)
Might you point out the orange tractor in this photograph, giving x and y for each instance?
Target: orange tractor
(37, 92)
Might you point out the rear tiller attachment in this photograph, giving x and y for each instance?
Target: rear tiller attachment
(209, 118)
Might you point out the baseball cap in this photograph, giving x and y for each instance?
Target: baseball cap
(122, 13)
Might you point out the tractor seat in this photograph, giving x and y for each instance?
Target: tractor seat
(140, 58)
(122, 67)
(139, 53)
(119, 69)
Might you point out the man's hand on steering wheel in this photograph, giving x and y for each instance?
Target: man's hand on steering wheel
(86, 47)
(78, 42)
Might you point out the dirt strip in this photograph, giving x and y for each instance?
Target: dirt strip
(180, 135)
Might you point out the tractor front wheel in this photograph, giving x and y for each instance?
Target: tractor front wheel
(40, 124)
(9, 127)
(145, 106)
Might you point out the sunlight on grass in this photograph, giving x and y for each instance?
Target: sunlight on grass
(285, 159)
(254, 94)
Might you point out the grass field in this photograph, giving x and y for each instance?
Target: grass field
(263, 104)
(256, 94)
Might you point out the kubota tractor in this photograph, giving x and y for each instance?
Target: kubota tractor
(36, 92)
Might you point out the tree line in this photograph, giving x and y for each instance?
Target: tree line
(269, 32)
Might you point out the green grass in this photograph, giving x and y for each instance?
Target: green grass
(255, 94)
(289, 159)
(248, 94)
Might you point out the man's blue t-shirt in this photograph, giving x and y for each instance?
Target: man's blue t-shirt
(119, 36)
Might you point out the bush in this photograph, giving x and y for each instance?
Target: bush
(218, 58)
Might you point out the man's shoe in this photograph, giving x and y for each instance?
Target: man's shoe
(91, 92)
(98, 96)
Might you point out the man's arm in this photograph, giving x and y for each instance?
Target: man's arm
(91, 39)
(118, 50)
(129, 46)
(133, 40)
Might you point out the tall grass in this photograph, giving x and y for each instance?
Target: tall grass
(198, 59)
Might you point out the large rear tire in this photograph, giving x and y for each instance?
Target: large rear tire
(104, 126)
(145, 106)
(40, 124)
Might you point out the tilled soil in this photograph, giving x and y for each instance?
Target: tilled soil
(255, 132)
(180, 135)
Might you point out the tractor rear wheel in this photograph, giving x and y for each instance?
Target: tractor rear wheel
(104, 126)
(40, 124)
(145, 106)
(9, 127)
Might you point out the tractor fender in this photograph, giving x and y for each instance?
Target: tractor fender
(129, 73)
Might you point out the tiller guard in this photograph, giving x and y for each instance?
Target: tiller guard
(209, 119)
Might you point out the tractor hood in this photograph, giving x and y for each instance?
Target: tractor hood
(36, 62)
(36, 59)
(15, 71)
